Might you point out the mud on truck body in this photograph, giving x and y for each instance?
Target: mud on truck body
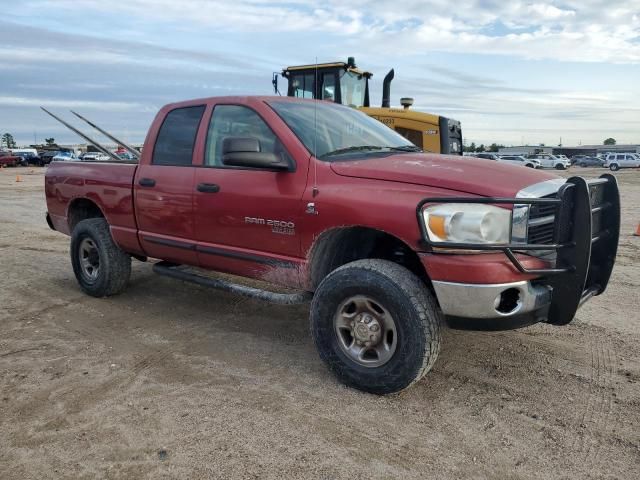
(386, 242)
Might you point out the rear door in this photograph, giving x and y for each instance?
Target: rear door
(630, 160)
(164, 186)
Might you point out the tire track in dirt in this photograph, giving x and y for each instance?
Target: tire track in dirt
(33, 249)
(597, 413)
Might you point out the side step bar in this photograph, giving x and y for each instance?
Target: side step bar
(171, 270)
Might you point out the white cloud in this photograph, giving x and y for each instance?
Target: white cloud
(549, 12)
(576, 30)
(155, 51)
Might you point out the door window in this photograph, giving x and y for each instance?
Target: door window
(352, 87)
(302, 85)
(177, 135)
(239, 121)
(329, 87)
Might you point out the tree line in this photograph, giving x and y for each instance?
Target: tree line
(8, 141)
(495, 147)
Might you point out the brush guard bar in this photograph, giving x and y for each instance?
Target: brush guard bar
(586, 231)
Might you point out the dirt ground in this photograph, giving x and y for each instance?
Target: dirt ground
(169, 380)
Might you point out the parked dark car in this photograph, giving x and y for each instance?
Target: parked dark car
(29, 158)
(590, 162)
(47, 156)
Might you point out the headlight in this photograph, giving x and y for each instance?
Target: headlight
(467, 223)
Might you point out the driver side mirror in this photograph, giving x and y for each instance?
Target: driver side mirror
(245, 152)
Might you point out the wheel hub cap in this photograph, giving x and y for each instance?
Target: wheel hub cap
(366, 331)
(89, 259)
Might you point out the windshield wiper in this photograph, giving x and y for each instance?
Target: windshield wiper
(360, 148)
(356, 148)
(406, 148)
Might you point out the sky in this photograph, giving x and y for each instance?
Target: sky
(513, 72)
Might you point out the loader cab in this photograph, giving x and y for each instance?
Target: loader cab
(336, 82)
(345, 83)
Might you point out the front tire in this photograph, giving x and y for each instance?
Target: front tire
(100, 266)
(614, 167)
(376, 326)
(559, 166)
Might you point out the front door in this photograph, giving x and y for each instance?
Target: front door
(247, 219)
(164, 187)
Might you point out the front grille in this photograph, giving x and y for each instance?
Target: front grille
(542, 222)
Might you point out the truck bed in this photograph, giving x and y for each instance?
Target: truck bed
(109, 184)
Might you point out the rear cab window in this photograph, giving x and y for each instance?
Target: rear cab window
(177, 136)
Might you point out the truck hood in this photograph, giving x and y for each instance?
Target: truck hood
(463, 174)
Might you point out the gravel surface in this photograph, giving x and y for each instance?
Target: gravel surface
(169, 380)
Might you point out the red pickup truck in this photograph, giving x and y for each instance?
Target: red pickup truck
(387, 241)
(7, 159)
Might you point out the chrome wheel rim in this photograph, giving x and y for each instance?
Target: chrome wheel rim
(89, 259)
(366, 331)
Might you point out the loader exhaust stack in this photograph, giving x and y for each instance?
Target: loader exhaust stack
(386, 89)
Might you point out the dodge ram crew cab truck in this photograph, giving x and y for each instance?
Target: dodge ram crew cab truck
(387, 242)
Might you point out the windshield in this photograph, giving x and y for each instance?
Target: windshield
(352, 87)
(330, 131)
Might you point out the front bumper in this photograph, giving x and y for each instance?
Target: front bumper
(499, 306)
(585, 240)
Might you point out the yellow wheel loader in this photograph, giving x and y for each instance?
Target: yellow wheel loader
(345, 83)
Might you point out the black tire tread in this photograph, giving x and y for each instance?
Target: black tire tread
(114, 262)
(423, 302)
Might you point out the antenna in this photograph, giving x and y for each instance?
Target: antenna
(315, 190)
(90, 140)
(129, 148)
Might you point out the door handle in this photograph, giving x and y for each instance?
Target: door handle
(208, 188)
(147, 182)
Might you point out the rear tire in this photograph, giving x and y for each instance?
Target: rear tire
(100, 266)
(583, 165)
(389, 305)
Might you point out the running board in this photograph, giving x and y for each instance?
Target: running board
(171, 270)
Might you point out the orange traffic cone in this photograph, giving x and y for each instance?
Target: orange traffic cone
(18, 179)
(637, 234)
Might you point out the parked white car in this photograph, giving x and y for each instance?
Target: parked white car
(487, 155)
(95, 156)
(616, 161)
(520, 160)
(65, 156)
(548, 160)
